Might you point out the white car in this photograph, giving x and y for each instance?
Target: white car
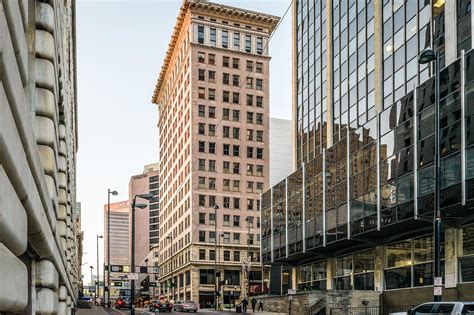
(453, 308)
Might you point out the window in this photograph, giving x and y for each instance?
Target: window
(236, 168)
(202, 200)
(226, 237)
(236, 220)
(249, 100)
(259, 187)
(237, 40)
(211, 76)
(202, 129)
(248, 43)
(202, 218)
(206, 276)
(250, 187)
(250, 152)
(202, 146)
(202, 182)
(201, 34)
(236, 186)
(225, 78)
(212, 147)
(259, 45)
(259, 135)
(251, 239)
(212, 36)
(211, 59)
(226, 149)
(259, 170)
(250, 83)
(212, 112)
(236, 255)
(249, 118)
(201, 111)
(250, 169)
(235, 98)
(226, 255)
(202, 236)
(226, 185)
(225, 38)
(212, 255)
(259, 102)
(212, 236)
(201, 75)
(226, 114)
(225, 61)
(212, 183)
(250, 204)
(235, 63)
(259, 119)
(225, 96)
(236, 132)
(212, 219)
(226, 167)
(259, 67)
(232, 277)
(249, 65)
(202, 164)
(236, 238)
(212, 165)
(259, 84)
(236, 203)
(226, 132)
(249, 134)
(212, 94)
(259, 153)
(235, 115)
(235, 80)
(201, 57)
(226, 220)
(202, 254)
(201, 93)
(236, 150)
(466, 259)
(212, 129)
(227, 201)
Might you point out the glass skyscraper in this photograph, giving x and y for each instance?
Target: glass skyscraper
(357, 212)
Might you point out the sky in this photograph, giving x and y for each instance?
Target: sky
(121, 45)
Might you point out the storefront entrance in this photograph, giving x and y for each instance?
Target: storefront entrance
(206, 299)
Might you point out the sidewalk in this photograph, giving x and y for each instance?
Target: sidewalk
(232, 311)
(95, 310)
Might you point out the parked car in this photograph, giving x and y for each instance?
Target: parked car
(161, 306)
(452, 308)
(122, 302)
(186, 306)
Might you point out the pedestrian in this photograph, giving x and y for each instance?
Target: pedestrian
(245, 302)
(254, 303)
(260, 305)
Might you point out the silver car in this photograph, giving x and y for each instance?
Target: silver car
(186, 306)
(452, 308)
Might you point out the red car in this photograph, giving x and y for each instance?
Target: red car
(161, 306)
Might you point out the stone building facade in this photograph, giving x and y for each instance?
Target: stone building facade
(38, 144)
(212, 96)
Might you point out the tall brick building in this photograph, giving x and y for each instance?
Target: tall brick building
(212, 96)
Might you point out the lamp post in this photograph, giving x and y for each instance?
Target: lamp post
(114, 193)
(98, 286)
(170, 237)
(92, 279)
(427, 56)
(132, 263)
(215, 256)
(247, 219)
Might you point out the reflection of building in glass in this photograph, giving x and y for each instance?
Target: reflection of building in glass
(356, 214)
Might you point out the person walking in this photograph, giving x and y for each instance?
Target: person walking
(260, 305)
(245, 302)
(254, 303)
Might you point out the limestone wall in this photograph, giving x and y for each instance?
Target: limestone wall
(37, 157)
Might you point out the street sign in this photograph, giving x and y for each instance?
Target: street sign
(156, 269)
(133, 276)
(290, 297)
(291, 291)
(438, 290)
(117, 284)
(119, 268)
(438, 281)
(153, 284)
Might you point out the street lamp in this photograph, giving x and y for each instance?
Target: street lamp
(170, 237)
(247, 219)
(113, 193)
(92, 280)
(216, 207)
(132, 264)
(427, 56)
(97, 290)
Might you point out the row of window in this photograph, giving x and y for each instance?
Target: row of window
(211, 77)
(211, 131)
(252, 169)
(224, 42)
(226, 96)
(226, 220)
(226, 62)
(251, 153)
(227, 203)
(211, 184)
(235, 114)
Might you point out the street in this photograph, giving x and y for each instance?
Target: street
(112, 311)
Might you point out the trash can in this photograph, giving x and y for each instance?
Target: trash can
(238, 308)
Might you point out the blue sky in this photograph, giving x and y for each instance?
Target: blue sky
(120, 48)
